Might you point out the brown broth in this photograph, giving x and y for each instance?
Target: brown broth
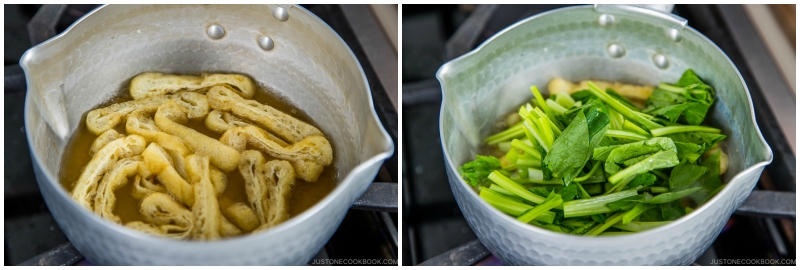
(304, 195)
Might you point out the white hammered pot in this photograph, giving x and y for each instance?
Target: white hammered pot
(283, 47)
(616, 43)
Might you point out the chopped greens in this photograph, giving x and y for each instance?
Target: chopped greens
(587, 163)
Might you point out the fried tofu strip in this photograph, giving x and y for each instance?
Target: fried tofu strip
(86, 186)
(268, 186)
(165, 217)
(158, 161)
(285, 126)
(104, 139)
(140, 123)
(151, 84)
(228, 229)
(170, 117)
(219, 122)
(638, 94)
(280, 177)
(206, 206)
(143, 186)
(100, 120)
(115, 178)
(243, 216)
(255, 185)
(309, 156)
(219, 179)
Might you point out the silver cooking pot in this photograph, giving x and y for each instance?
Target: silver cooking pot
(613, 43)
(282, 47)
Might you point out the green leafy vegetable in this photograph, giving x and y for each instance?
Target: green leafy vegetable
(672, 196)
(645, 179)
(477, 171)
(588, 162)
(690, 98)
(685, 174)
(659, 160)
(568, 193)
(672, 210)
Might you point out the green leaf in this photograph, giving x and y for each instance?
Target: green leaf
(645, 179)
(688, 151)
(652, 214)
(541, 192)
(570, 151)
(600, 218)
(569, 192)
(696, 113)
(671, 210)
(636, 149)
(685, 174)
(477, 171)
(687, 102)
(711, 179)
(661, 98)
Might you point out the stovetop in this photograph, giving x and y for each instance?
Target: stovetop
(31, 231)
(435, 231)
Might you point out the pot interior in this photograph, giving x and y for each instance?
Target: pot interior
(309, 66)
(579, 43)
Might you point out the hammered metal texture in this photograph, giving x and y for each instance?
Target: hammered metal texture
(310, 66)
(481, 86)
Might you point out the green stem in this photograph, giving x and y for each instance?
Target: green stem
(550, 203)
(528, 163)
(630, 126)
(672, 88)
(510, 133)
(592, 172)
(514, 187)
(658, 132)
(659, 189)
(614, 233)
(625, 135)
(500, 190)
(614, 219)
(635, 212)
(659, 160)
(503, 203)
(526, 148)
(595, 205)
(582, 192)
(638, 226)
(672, 196)
(621, 108)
